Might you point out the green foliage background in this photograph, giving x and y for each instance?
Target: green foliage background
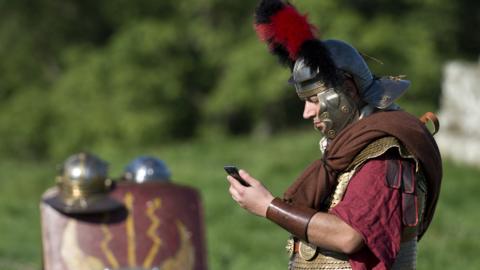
(177, 79)
(89, 74)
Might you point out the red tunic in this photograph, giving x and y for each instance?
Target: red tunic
(374, 210)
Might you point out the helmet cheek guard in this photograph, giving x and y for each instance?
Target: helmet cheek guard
(337, 110)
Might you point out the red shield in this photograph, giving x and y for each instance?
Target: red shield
(160, 227)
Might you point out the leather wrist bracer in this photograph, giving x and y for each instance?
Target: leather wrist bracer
(292, 218)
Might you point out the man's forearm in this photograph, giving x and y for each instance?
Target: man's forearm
(330, 232)
(291, 218)
(321, 229)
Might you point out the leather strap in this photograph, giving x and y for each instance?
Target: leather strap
(409, 195)
(294, 219)
(429, 116)
(296, 246)
(401, 175)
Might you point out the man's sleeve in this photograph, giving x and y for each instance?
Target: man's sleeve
(374, 210)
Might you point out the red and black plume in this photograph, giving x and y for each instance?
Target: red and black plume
(290, 36)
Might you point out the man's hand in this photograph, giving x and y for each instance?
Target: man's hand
(255, 198)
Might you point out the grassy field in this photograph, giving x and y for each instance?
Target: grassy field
(235, 239)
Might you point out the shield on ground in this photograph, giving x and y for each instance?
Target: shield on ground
(160, 227)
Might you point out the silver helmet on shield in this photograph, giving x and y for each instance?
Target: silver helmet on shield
(145, 169)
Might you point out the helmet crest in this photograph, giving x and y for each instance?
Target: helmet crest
(290, 36)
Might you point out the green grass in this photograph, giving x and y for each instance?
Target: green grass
(235, 239)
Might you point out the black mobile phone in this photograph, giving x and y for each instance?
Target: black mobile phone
(233, 171)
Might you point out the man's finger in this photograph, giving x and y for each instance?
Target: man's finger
(234, 183)
(252, 181)
(234, 193)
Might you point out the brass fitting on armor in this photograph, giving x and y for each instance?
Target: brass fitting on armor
(294, 219)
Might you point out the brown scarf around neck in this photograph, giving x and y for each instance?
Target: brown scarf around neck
(317, 182)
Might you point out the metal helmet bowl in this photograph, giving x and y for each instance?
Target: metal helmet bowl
(83, 168)
(83, 186)
(145, 169)
(377, 92)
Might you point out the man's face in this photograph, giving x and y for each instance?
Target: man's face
(331, 110)
(312, 111)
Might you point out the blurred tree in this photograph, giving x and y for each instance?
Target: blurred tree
(78, 74)
(32, 38)
(141, 89)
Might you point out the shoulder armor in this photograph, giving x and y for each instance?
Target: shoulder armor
(378, 148)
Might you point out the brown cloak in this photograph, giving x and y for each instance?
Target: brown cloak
(319, 179)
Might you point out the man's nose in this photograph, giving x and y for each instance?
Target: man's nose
(309, 110)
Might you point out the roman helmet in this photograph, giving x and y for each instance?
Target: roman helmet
(145, 169)
(83, 186)
(324, 68)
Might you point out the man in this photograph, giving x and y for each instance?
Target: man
(372, 195)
